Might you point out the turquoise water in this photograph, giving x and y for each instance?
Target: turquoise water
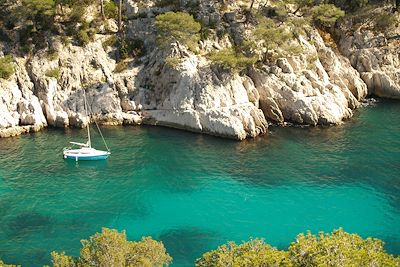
(195, 192)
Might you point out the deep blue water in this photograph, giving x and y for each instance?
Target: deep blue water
(195, 192)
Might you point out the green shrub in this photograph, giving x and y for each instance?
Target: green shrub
(385, 22)
(166, 3)
(326, 15)
(121, 66)
(111, 9)
(351, 5)
(177, 27)
(339, 249)
(65, 40)
(204, 32)
(25, 49)
(111, 248)
(91, 33)
(52, 54)
(173, 62)
(110, 41)
(136, 47)
(311, 59)
(82, 37)
(6, 67)
(277, 40)
(230, 59)
(271, 34)
(128, 48)
(55, 73)
(336, 249)
(2, 264)
(252, 253)
(123, 49)
(77, 13)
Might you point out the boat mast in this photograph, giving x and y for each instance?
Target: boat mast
(88, 124)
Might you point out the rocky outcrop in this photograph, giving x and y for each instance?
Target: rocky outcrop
(374, 55)
(192, 97)
(79, 69)
(318, 87)
(196, 97)
(20, 110)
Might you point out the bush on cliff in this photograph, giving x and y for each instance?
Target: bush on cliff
(336, 249)
(6, 67)
(111, 9)
(326, 15)
(55, 73)
(177, 27)
(111, 248)
(231, 59)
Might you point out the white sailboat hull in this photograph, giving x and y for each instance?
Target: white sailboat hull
(85, 153)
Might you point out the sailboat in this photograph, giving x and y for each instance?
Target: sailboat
(85, 150)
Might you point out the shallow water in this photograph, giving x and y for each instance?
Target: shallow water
(195, 192)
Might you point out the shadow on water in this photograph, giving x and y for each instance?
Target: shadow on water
(27, 222)
(183, 243)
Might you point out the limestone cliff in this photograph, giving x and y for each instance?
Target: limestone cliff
(374, 53)
(194, 94)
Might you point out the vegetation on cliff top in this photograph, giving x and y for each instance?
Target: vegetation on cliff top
(179, 27)
(270, 31)
(111, 248)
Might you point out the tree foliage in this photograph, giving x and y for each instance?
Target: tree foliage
(111, 248)
(253, 253)
(336, 249)
(2, 264)
(326, 14)
(177, 27)
(271, 35)
(276, 37)
(232, 59)
(55, 73)
(339, 249)
(39, 12)
(6, 67)
(111, 10)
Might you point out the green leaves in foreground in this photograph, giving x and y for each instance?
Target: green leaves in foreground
(252, 253)
(336, 249)
(111, 248)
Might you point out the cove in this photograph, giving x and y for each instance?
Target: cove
(195, 192)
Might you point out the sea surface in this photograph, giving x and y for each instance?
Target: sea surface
(195, 192)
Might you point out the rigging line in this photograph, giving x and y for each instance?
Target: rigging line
(98, 128)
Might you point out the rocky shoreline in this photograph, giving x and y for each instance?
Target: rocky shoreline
(195, 95)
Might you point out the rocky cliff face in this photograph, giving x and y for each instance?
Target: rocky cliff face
(320, 92)
(194, 94)
(375, 55)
